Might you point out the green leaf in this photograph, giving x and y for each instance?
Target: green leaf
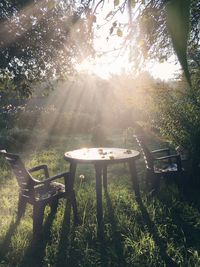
(177, 15)
(94, 18)
(133, 3)
(108, 15)
(111, 30)
(51, 5)
(119, 32)
(116, 2)
(114, 23)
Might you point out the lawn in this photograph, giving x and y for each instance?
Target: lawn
(163, 230)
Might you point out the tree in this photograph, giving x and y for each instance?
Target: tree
(156, 27)
(41, 40)
(173, 20)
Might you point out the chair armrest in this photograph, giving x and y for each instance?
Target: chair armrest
(176, 156)
(64, 175)
(41, 167)
(161, 150)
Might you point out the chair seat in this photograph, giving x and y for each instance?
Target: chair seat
(168, 168)
(54, 189)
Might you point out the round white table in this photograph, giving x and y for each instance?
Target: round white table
(101, 158)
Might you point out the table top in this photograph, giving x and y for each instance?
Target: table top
(101, 154)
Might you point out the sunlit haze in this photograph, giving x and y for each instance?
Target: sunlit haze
(112, 57)
(108, 66)
(164, 71)
(105, 67)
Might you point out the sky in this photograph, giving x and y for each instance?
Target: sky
(164, 71)
(105, 67)
(114, 61)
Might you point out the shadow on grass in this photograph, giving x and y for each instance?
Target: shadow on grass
(191, 195)
(74, 254)
(62, 255)
(184, 213)
(35, 253)
(102, 245)
(158, 240)
(4, 247)
(117, 239)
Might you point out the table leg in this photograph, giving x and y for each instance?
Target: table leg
(98, 169)
(105, 177)
(134, 177)
(71, 191)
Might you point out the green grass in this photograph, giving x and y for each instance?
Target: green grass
(156, 231)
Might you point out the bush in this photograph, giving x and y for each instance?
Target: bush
(15, 138)
(177, 116)
(54, 122)
(99, 136)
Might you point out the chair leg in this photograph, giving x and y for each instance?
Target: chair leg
(54, 206)
(157, 184)
(38, 215)
(153, 182)
(21, 207)
(74, 206)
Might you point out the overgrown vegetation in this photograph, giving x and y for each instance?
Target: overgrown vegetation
(179, 121)
(159, 231)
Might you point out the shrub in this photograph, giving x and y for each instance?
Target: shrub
(15, 138)
(176, 113)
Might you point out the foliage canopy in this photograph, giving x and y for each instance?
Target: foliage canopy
(41, 40)
(157, 28)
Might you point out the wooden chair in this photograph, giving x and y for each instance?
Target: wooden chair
(38, 193)
(168, 166)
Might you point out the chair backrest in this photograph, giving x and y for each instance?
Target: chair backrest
(148, 158)
(24, 179)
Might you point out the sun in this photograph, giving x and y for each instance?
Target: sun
(105, 67)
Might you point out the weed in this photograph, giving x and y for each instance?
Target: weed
(157, 231)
